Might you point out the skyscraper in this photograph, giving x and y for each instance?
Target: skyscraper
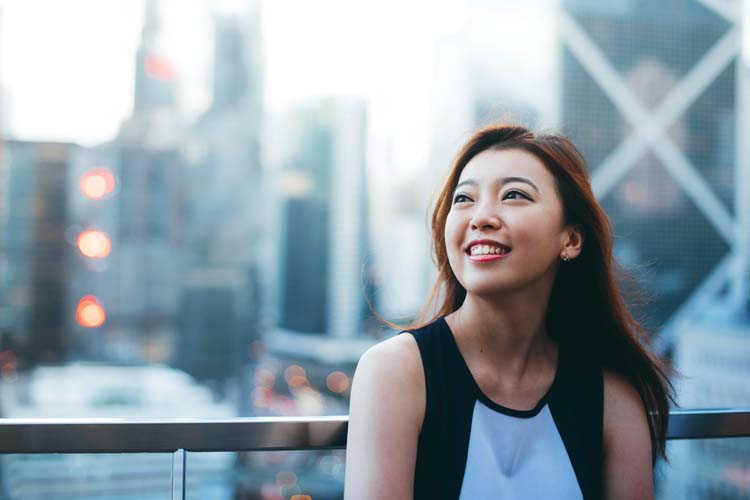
(321, 227)
(151, 198)
(224, 226)
(155, 76)
(34, 274)
(651, 93)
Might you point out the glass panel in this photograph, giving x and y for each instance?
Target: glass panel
(277, 475)
(134, 476)
(705, 469)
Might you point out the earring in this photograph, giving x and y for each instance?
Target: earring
(565, 258)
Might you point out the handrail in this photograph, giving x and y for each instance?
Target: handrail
(262, 433)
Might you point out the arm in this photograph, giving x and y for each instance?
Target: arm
(386, 411)
(628, 472)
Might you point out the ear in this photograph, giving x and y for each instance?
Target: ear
(574, 242)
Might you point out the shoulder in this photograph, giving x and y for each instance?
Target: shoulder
(394, 362)
(628, 468)
(386, 411)
(623, 406)
(617, 387)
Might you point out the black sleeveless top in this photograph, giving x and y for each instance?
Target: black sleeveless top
(471, 447)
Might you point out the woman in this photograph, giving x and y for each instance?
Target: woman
(531, 380)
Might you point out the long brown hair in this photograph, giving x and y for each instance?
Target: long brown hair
(586, 309)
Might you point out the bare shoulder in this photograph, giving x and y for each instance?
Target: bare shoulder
(401, 347)
(618, 388)
(386, 411)
(622, 402)
(392, 363)
(628, 471)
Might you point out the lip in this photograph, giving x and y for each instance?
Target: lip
(489, 257)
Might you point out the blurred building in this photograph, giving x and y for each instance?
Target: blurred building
(320, 250)
(474, 84)
(91, 189)
(713, 354)
(35, 254)
(655, 94)
(155, 76)
(149, 166)
(648, 94)
(46, 209)
(183, 216)
(224, 226)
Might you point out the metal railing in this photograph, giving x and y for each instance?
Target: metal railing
(262, 433)
(179, 437)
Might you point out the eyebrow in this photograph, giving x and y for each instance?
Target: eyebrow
(503, 181)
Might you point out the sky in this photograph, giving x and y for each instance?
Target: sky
(68, 74)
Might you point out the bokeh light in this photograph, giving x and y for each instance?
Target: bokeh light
(90, 314)
(97, 183)
(261, 397)
(295, 376)
(9, 367)
(94, 243)
(337, 382)
(160, 68)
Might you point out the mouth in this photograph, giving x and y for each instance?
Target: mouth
(486, 248)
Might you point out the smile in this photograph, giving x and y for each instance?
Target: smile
(486, 250)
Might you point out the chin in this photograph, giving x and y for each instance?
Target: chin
(480, 289)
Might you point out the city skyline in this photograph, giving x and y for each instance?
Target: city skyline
(394, 73)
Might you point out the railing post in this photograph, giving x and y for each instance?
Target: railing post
(179, 458)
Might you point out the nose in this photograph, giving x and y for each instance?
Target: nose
(485, 217)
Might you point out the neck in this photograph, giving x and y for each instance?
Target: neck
(507, 332)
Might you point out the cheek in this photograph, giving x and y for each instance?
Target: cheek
(538, 234)
(453, 237)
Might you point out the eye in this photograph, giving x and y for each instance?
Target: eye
(513, 191)
(460, 197)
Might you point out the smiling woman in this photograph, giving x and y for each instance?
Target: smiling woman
(498, 197)
(531, 379)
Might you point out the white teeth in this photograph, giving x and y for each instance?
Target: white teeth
(486, 250)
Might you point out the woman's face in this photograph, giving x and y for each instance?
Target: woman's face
(505, 227)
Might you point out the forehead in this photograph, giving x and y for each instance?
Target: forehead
(491, 164)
